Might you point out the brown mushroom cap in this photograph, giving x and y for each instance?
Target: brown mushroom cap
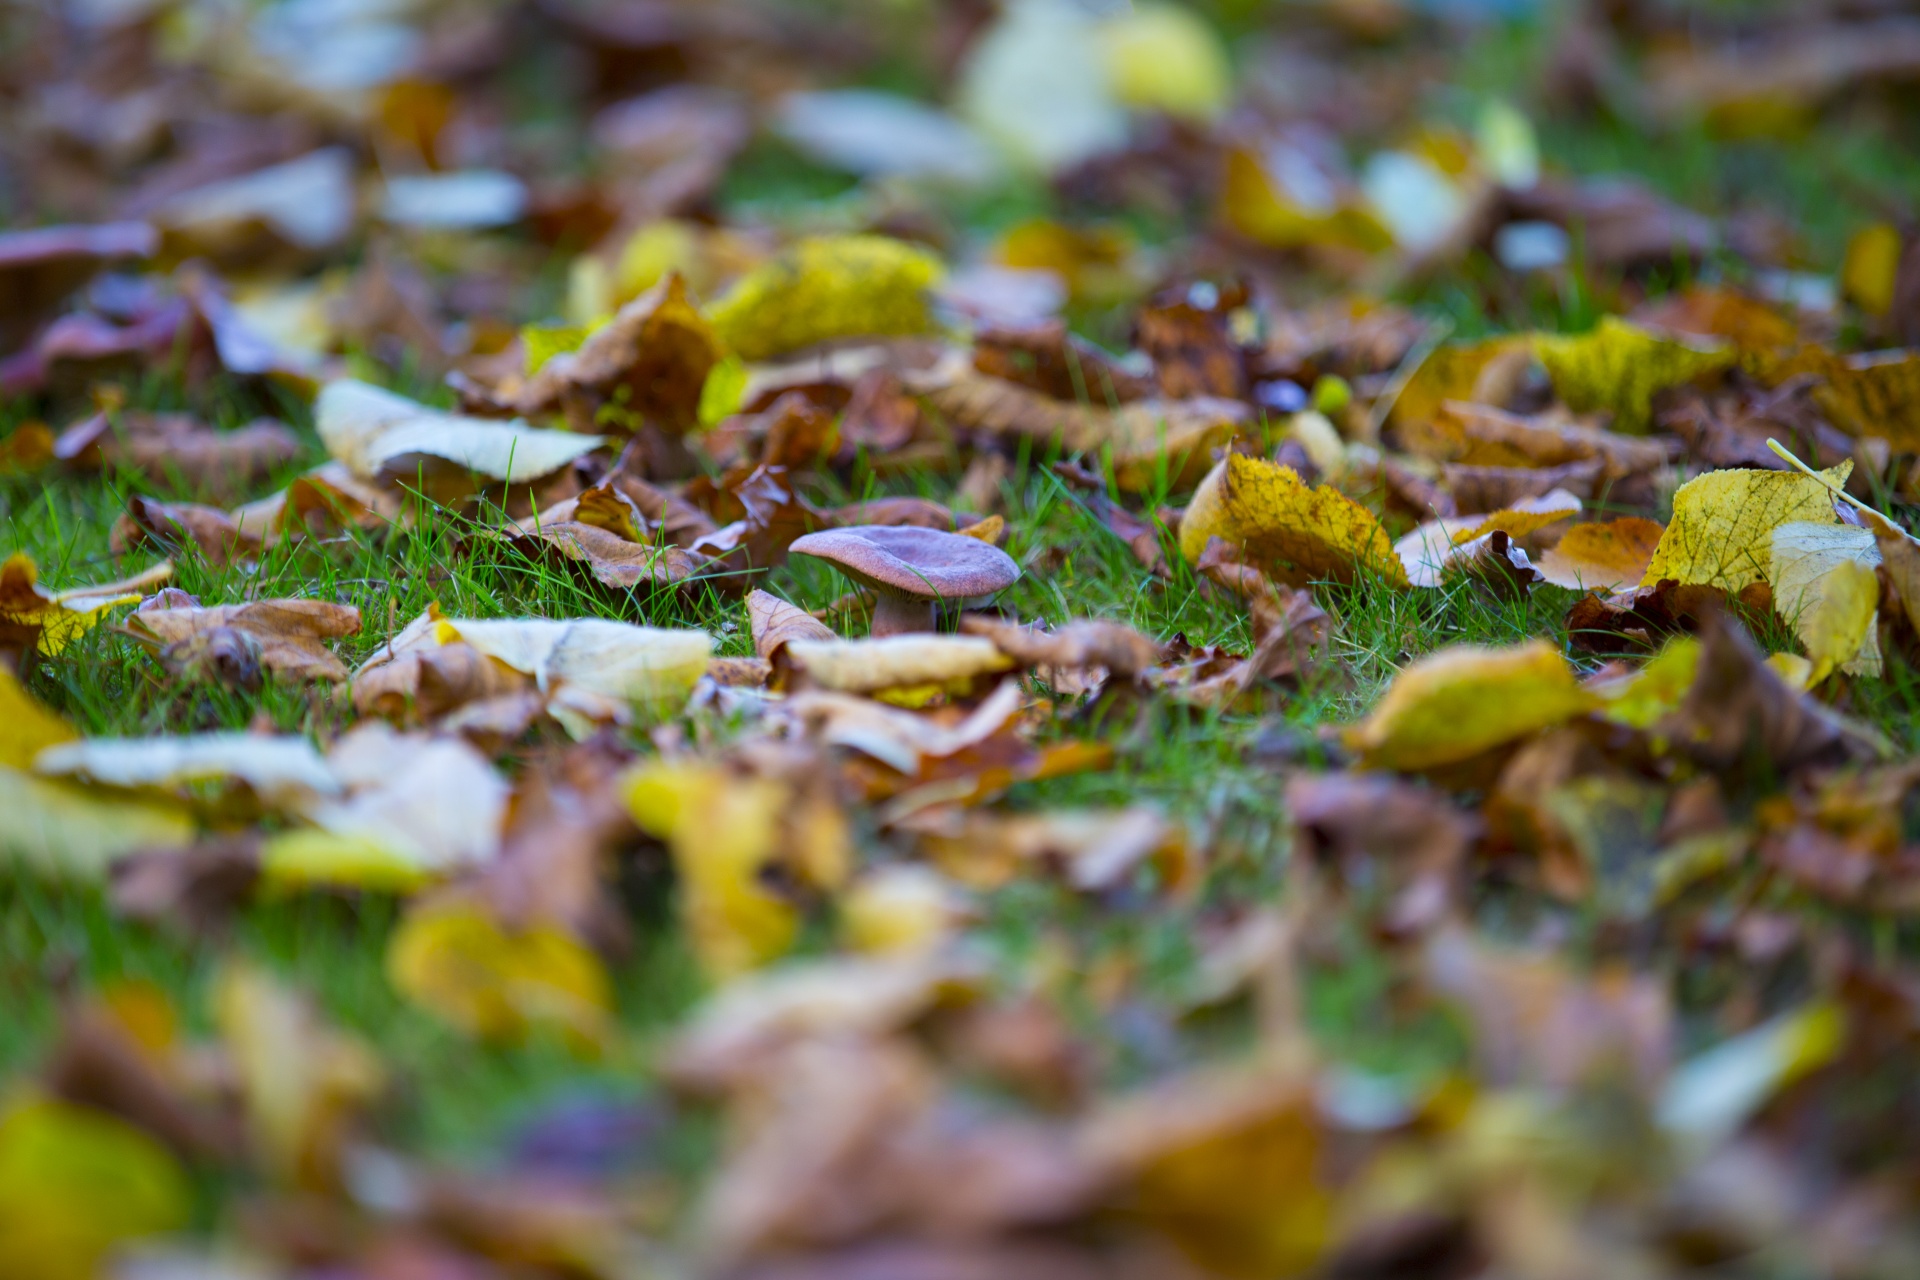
(922, 566)
(915, 562)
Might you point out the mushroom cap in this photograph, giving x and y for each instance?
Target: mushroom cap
(923, 563)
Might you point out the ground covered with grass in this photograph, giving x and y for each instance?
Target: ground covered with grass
(1436, 797)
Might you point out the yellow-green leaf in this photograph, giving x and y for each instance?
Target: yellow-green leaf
(828, 287)
(496, 983)
(1462, 701)
(75, 1184)
(1619, 367)
(1285, 526)
(26, 727)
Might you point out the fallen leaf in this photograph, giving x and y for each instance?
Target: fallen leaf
(909, 662)
(26, 727)
(1282, 526)
(283, 771)
(1721, 533)
(1603, 555)
(1463, 372)
(1870, 395)
(498, 984)
(1077, 646)
(827, 287)
(1824, 585)
(303, 1083)
(282, 636)
(774, 622)
(76, 1185)
(1094, 850)
(384, 437)
(899, 910)
(1457, 703)
(68, 832)
(32, 618)
(176, 526)
(1476, 435)
(403, 810)
(163, 446)
(1522, 519)
(649, 363)
(1619, 367)
(725, 835)
(591, 668)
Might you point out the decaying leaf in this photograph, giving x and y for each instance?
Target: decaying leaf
(910, 662)
(381, 436)
(591, 668)
(32, 618)
(498, 984)
(223, 641)
(1603, 555)
(1721, 533)
(1619, 367)
(76, 1184)
(774, 622)
(647, 364)
(1465, 700)
(828, 287)
(1281, 525)
(1825, 587)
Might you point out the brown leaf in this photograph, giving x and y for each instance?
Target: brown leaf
(774, 622)
(1185, 330)
(415, 676)
(1052, 360)
(39, 268)
(1076, 646)
(174, 526)
(1373, 832)
(1740, 718)
(162, 446)
(1145, 436)
(198, 886)
(1500, 488)
(282, 636)
(1477, 435)
(647, 364)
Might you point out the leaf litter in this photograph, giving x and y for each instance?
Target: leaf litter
(1191, 654)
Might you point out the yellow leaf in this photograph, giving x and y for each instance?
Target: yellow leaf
(899, 910)
(1602, 556)
(1872, 267)
(1825, 586)
(53, 619)
(497, 984)
(302, 1080)
(1530, 515)
(1285, 527)
(723, 831)
(1721, 534)
(1462, 701)
(1259, 206)
(307, 858)
(897, 662)
(26, 727)
(1163, 57)
(1873, 394)
(1450, 372)
(545, 341)
(828, 287)
(66, 831)
(1620, 367)
(75, 1184)
(1648, 695)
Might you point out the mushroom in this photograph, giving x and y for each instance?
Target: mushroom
(912, 571)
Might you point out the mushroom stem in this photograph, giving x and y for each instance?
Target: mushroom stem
(895, 614)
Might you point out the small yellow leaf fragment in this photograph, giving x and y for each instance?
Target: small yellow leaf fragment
(723, 831)
(1164, 57)
(1721, 534)
(1462, 701)
(1286, 527)
(1872, 265)
(1644, 697)
(498, 984)
(1620, 367)
(828, 287)
(26, 727)
(75, 1184)
(1528, 516)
